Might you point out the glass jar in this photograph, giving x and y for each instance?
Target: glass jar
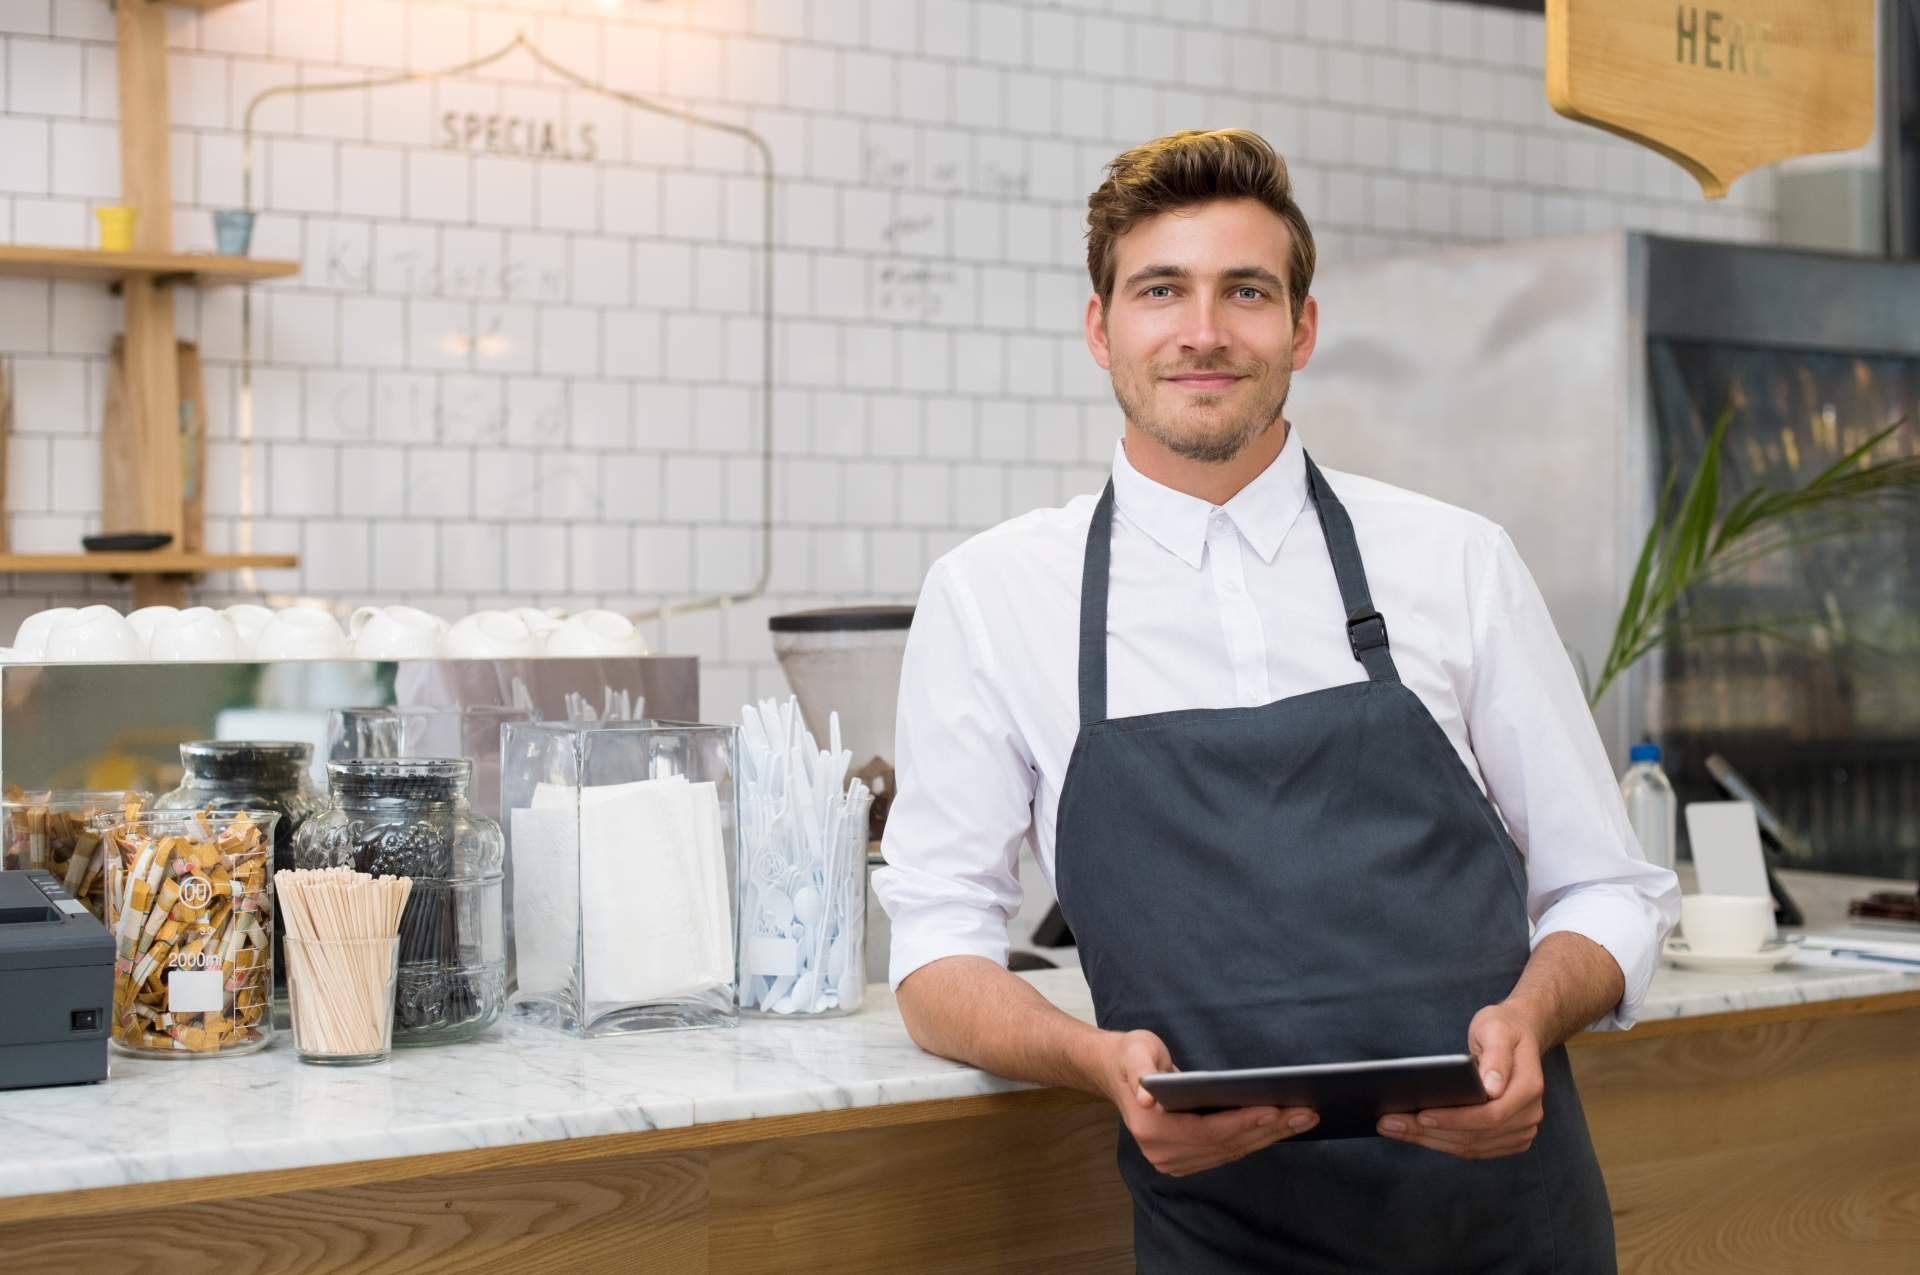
(411, 817)
(192, 917)
(250, 775)
(55, 832)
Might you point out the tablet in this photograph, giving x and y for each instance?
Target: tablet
(1349, 1097)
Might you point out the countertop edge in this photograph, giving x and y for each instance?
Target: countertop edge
(295, 1163)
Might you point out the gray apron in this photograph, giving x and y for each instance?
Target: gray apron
(1318, 879)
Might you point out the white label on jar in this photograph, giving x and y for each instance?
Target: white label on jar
(195, 992)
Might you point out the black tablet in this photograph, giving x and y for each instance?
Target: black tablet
(1349, 1097)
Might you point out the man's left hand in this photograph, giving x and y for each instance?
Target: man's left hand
(1506, 1046)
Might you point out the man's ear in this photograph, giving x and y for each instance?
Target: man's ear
(1306, 333)
(1096, 321)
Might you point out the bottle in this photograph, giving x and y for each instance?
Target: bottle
(1651, 808)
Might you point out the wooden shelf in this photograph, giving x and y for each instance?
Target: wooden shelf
(89, 265)
(139, 564)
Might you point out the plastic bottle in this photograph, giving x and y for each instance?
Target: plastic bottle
(1651, 808)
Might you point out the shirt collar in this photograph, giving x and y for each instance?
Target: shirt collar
(1263, 511)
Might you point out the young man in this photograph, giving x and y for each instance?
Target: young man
(1280, 739)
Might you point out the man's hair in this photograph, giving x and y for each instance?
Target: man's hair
(1187, 168)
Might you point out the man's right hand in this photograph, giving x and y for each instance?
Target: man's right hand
(1178, 1143)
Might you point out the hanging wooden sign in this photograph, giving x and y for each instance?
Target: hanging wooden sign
(1721, 88)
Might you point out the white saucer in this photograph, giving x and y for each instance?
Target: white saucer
(1774, 953)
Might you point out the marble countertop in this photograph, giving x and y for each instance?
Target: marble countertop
(159, 1121)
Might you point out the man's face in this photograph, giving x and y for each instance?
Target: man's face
(1199, 335)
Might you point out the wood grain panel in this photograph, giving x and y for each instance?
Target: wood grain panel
(1008, 1193)
(1812, 1206)
(1720, 87)
(634, 1214)
(1751, 1086)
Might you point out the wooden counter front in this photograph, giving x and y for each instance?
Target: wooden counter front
(1776, 1140)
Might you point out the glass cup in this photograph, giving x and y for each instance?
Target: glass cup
(116, 228)
(342, 994)
(233, 231)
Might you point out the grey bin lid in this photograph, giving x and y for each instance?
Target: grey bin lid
(844, 620)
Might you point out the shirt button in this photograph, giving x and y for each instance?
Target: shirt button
(1219, 523)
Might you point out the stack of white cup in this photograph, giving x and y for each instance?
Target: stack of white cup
(101, 635)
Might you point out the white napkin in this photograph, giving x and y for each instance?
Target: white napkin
(654, 918)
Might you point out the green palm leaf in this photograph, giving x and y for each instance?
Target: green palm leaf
(1697, 544)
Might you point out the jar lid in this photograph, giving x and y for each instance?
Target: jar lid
(843, 620)
(234, 759)
(403, 778)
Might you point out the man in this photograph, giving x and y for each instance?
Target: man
(1256, 720)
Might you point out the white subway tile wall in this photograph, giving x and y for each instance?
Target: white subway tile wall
(505, 379)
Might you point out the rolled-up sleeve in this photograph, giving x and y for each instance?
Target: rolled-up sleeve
(965, 798)
(1547, 771)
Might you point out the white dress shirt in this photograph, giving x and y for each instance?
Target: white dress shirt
(1237, 606)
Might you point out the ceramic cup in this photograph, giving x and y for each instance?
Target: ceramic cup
(596, 633)
(490, 635)
(94, 635)
(197, 633)
(247, 620)
(541, 622)
(147, 619)
(30, 642)
(1725, 924)
(396, 633)
(301, 633)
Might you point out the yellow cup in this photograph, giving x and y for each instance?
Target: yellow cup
(116, 228)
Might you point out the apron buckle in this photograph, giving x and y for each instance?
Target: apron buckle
(1366, 630)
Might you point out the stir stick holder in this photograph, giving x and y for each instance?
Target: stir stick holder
(624, 841)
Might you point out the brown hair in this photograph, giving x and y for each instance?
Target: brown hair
(1187, 168)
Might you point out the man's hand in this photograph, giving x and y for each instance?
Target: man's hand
(1178, 1143)
(1506, 1045)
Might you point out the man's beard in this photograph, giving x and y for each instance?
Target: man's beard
(1214, 442)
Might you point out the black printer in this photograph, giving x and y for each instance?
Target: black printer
(56, 985)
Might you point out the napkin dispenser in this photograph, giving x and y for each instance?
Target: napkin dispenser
(56, 985)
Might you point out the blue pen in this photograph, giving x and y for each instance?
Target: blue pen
(1873, 956)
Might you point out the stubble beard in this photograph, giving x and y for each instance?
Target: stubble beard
(1202, 436)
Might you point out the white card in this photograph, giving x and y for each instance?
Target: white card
(1727, 858)
(546, 894)
(194, 992)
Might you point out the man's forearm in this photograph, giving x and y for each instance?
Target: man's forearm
(971, 1010)
(1569, 983)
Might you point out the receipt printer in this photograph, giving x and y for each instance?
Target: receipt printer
(56, 985)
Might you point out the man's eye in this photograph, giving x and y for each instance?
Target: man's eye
(1158, 289)
(1250, 293)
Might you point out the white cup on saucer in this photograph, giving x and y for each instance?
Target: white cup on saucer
(591, 633)
(94, 635)
(1725, 924)
(301, 633)
(396, 633)
(147, 619)
(30, 642)
(197, 633)
(248, 619)
(490, 635)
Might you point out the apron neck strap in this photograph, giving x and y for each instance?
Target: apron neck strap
(1093, 611)
(1366, 627)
